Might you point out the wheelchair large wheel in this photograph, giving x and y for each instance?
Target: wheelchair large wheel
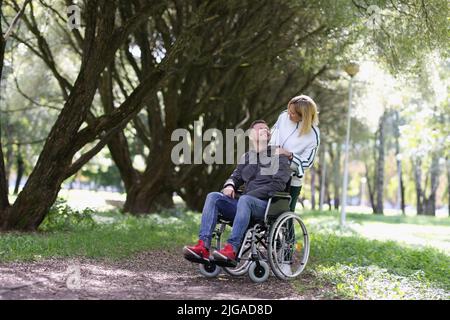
(288, 246)
(210, 270)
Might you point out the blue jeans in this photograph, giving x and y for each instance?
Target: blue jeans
(239, 211)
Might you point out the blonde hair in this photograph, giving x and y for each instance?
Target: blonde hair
(305, 107)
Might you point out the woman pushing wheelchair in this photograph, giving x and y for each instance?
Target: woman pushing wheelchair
(275, 158)
(297, 135)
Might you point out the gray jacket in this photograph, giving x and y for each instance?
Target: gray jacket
(261, 173)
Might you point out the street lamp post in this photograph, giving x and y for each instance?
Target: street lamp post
(351, 69)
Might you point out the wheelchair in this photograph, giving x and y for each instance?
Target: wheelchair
(279, 244)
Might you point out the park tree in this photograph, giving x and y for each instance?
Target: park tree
(27, 111)
(430, 148)
(4, 37)
(396, 122)
(214, 89)
(257, 74)
(102, 38)
(140, 69)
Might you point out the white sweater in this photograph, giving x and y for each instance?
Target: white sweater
(286, 134)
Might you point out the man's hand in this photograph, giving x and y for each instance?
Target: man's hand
(228, 191)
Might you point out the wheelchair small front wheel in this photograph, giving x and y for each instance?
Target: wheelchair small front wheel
(210, 270)
(259, 271)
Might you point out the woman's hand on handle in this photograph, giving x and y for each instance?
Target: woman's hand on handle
(285, 152)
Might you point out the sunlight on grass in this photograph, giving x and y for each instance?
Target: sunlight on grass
(98, 200)
(372, 282)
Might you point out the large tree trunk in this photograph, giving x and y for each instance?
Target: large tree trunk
(370, 188)
(430, 200)
(148, 198)
(323, 177)
(195, 182)
(4, 202)
(401, 187)
(9, 156)
(379, 178)
(336, 162)
(328, 196)
(417, 169)
(313, 188)
(153, 191)
(447, 166)
(20, 170)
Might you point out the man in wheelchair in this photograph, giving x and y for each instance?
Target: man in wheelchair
(262, 172)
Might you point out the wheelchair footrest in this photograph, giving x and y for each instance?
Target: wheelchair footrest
(225, 263)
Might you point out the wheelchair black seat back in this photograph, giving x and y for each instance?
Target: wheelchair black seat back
(279, 244)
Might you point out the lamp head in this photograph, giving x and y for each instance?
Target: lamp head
(352, 69)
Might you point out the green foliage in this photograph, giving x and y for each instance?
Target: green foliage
(408, 31)
(63, 218)
(280, 48)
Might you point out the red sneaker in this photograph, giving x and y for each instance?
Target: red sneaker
(225, 257)
(198, 253)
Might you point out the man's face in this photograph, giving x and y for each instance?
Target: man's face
(260, 133)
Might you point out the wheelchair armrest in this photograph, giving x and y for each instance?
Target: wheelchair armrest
(284, 195)
(277, 204)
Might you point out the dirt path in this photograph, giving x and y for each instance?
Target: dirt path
(149, 275)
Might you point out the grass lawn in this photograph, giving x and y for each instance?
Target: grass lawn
(347, 264)
(117, 236)
(379, 257)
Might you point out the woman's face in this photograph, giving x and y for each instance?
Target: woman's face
(293, 115)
